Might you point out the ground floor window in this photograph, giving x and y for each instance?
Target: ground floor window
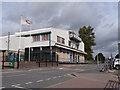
(62, 56)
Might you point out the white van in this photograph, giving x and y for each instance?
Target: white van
(117, 63)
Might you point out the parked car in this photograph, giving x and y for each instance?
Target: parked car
(117, 63)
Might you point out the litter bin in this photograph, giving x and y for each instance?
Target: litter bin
(11, 63)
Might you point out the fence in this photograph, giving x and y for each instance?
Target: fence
(43, 58)
(37, 59)
(112, 85)
(9, 59)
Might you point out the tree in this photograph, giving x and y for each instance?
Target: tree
(100, 57)
(88, 37)
(117, 56)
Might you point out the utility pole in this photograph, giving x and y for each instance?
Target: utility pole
(50, 44)
(98, 60)
(8, 41)
(118, 69)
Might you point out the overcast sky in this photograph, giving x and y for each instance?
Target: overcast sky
(103, 17)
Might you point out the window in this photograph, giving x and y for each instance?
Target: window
(77, 46)
(58, 39)
(48, 36)
(38, 37)
(43, 37)
(69, 43)
(33, 38)
(63, 41)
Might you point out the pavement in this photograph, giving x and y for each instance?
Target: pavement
(87, 80)
(74, 76)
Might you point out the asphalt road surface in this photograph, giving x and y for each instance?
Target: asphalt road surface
(38, 78)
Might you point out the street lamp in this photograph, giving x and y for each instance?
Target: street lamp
(98, 59)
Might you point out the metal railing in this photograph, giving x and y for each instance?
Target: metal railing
(112, 85)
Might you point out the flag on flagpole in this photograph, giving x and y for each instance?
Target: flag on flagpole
(25, 21)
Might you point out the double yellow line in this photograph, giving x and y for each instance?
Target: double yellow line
(72, 75)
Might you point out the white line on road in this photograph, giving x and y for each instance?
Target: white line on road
(47, 72)
(28, 83)
(39, 80)
(54, 77)
(14, 75)
(1, 88)
(48, 78)
(17, 86)
(59, 76)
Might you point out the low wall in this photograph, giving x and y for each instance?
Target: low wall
(35, 64)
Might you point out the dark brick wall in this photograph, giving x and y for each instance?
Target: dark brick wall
(35, 64)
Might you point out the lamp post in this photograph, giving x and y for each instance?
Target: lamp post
(119, 70)
(98, 59)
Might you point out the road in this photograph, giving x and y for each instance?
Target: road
(43, 78)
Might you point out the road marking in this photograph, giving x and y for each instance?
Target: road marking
(1, 88)
(71, 76)
(14, 75)
(17, 86)
(48, 78)
(39, 80)
(47, 72)
(63, 68)
(28, 83)
(54, 77)
(59, 76)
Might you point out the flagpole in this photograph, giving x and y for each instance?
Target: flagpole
(20, 35)
(30, 41)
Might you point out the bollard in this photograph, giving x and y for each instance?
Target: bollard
(52, 60)
(39, 59)
(3, 61)
(46, 62)
(57, 60)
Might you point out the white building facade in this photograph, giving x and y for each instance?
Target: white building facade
(65, 43)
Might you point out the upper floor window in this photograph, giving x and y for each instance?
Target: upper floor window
(36, 38)
(63, 41)
(77, 46)
(48, 36)
(45, 37)
(60, 40)
(42, 37)
(69, 43)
